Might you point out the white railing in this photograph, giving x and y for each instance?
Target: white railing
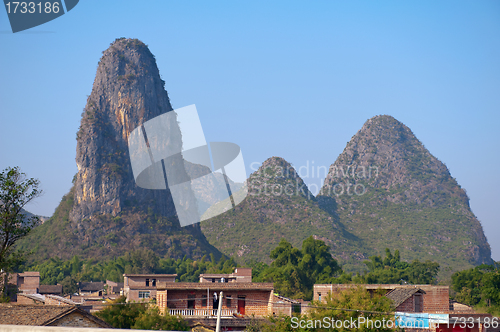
(201, 312)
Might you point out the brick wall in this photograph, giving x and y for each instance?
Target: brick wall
(28, 283)
(322, 290)
(141, 281)
(436, 298)
(406, 306)
(133, 294)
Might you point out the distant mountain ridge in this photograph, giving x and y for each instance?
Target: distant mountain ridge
(279, 205)
(385, 190)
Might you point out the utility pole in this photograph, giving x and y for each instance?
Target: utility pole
(217, 329)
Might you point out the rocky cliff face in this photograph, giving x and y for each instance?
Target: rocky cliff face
(105, 213)
(391, 192)
(127, 92)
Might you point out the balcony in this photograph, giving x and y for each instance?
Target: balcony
(207, 313)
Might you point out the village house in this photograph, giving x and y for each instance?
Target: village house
(113, 288)
(239, 275)
(91, 288)
(198, 302)
(420, 305)
(48, 315)
(26, 282)
(142, 287)
(25, 288)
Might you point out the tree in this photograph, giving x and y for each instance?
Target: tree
(15, 192)
(391, 270)
(151, 319)
(294, 272)
(120, 314)
(356, 308)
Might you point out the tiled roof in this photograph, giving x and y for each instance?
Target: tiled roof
(285, 299)
(50, 289)
(61, 299)
(400, 294)
(39, 315)
(91, 286)
(217, 286)
(34, 297)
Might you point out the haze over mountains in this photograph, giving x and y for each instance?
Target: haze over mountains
(384, 191)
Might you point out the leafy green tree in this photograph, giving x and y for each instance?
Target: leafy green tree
(479, 286)
(70, 285)
(391, 270)
(15, 192)
(294, 272)
(120, 314)
(151, 319)
(353, 305)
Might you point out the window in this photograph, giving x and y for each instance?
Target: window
(147, 282)
(153, 282)
(144, 294)
(228, 301)
(203, 300)
(213, 279)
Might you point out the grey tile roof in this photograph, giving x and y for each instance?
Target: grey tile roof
(50, 289)
(400, 294)
(91, 286)
(40, 315)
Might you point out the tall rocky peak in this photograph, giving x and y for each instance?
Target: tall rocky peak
(386, 182)
(106, 214)
(385, 154)
(127, 91)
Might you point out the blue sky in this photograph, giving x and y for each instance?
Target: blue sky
(293, 79)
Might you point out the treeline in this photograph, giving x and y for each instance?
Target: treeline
(479, 287)
(69, 273)
(293, 271)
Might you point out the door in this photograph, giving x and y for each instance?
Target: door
(241, 305)
(191, 301)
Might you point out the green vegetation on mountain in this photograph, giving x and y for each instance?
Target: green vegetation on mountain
(278, 206)
(106, 236)
(385, 190)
